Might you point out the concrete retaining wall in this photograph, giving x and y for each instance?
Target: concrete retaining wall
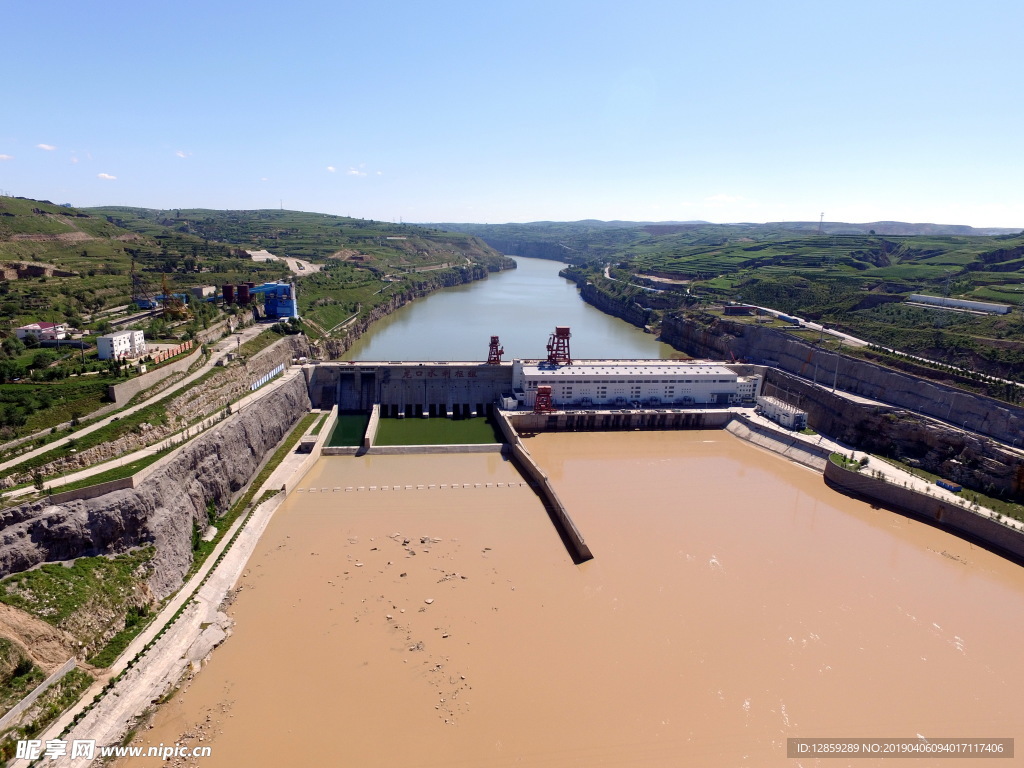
(396, 450)
(311, 458)
(125, 391)
(528, 468)
(371, 427)
(950, 517)
(610, 421)
(780, 442)
(15, 711)
(216, 331)
(92, 491)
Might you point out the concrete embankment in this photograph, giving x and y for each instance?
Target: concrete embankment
(780, 442)
(559, 514)
(977, 526)
(904, 417)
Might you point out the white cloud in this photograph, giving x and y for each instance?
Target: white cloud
(47, 147)
(331, 168)
(182, 153)
(6, 157)
(380, 173)
(74, 160)
(105, 176)
(723, 198)
(355, 172)
(264, 178)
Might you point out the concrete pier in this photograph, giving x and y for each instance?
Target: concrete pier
(524, 462)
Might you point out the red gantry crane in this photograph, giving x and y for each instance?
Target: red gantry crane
(558, 346)
(495, 352)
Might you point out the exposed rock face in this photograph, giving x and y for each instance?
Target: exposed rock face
(529, 250)
(163, 510)
(627, 310)
(725, 340)
(973, 461)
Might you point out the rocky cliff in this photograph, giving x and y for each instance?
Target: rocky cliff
(528, 249)
(964, 457)
(162, 512)
(624, 309)
(725, 340)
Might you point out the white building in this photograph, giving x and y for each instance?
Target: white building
(42, 331)
(203, 291)
(782, 413)
(973, 306)
(632, 383)
(121, 345)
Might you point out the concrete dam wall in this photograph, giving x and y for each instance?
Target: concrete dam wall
(416, 388)
(213, 467)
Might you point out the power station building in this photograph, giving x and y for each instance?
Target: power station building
(649, 383)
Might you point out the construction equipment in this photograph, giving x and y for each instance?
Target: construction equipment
(543, 403)
(142, 293)
(558, 346)
(174, 304)
(495, 352)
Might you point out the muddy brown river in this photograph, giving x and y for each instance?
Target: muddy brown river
(733, 601)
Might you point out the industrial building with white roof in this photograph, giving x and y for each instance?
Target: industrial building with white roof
(608, 383)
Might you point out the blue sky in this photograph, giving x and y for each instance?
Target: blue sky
(483, 112)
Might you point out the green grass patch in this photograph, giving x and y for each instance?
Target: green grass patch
(54, 592)
(117, 473)
(319, 425)
(258, 343)
(847, 463)
(135, 622)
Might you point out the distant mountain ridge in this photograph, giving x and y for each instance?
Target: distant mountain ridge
(895, 228)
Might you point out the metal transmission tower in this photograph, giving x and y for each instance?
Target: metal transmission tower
(142, 293)
(558, 346)
(821, 221)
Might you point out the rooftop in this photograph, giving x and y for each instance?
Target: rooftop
(628, 368)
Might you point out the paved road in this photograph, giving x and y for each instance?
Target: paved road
(228, 344)
(178, 437)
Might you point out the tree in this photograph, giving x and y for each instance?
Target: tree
(12, 346)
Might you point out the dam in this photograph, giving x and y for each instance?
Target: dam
(429, 616)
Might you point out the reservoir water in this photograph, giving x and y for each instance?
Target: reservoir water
(522, 306)
(734, 601)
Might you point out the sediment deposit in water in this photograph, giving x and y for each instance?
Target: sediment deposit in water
(734, 601)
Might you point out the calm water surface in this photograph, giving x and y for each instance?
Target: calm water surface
(522, 306)
(734, 601)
